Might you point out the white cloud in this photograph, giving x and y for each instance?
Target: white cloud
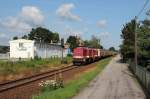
(15, 24)
(64, 12)
(102, 23)
(32, 14)
(2, 35)
(29, 17)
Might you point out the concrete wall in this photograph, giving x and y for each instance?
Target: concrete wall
(29, 49)
(21, 49)
(49, 50)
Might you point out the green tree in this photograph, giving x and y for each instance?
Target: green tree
(112, 49)
(55, 38)
(72, 41)
(4, 49)
(41, 34)
(24, 37)
(144, 42)
(94, 42)
(87, 43)
(127, 47)
(15, 37)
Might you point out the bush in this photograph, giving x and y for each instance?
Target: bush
(69, 55)
(50, 85)
(37, 58)
(10, 67)
(75, 85)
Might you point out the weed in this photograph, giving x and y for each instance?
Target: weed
(74, 86)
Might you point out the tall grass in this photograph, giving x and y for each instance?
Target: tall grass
(9, 67)
(74, 86)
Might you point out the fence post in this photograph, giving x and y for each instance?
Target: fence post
(145, 78)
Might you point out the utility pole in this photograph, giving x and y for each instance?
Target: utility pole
(62, 55)
(135, 44)
(62, 48)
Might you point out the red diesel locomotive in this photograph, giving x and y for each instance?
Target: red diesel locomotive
(84, 55)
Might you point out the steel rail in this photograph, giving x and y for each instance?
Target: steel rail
(26, 80)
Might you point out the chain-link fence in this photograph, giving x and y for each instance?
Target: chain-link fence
(142, 74)
(144, 77)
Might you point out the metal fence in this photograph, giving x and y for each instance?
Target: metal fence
(144, 77)
(142, 74)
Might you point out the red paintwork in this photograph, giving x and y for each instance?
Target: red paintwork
(90, 52)
(95, 52)
(87, 55)
(80, 51)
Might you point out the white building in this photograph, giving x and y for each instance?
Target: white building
(22, 48)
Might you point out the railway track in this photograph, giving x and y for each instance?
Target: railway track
(26, 80)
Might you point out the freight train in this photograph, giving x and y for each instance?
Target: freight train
(86, 55)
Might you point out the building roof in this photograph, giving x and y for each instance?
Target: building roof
(21, 40)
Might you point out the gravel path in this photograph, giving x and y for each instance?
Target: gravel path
(115, 82)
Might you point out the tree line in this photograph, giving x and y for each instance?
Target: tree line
(4, 49)
(94, 42)
(127, 48)
(44, 35)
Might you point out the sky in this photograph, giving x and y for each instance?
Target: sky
(101, 18)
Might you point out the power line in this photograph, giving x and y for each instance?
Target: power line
(146, 2)
(135, 44)
(148, 12)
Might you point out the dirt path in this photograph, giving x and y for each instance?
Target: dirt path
(115, 82)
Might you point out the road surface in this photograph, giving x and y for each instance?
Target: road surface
(115, 82)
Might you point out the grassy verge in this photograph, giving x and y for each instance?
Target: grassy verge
(74, 86)
(7, 68)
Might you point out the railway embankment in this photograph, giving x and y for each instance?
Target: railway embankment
(11, 70)
(79, 80)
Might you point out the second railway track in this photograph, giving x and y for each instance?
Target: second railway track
(23, 81)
